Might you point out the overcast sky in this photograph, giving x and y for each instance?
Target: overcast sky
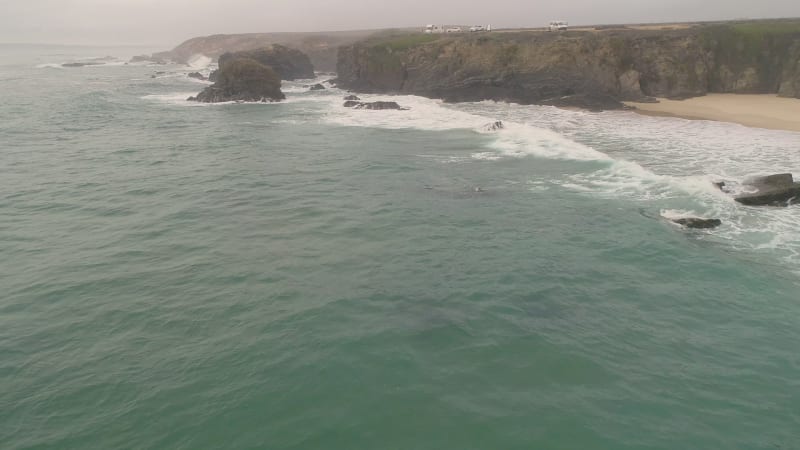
(168, 22)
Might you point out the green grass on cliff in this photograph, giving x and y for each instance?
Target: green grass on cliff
(767, 28)
(403, 42)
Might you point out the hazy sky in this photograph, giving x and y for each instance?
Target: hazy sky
(167, 22)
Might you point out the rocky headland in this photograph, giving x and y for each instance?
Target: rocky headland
(588, 69)
(322, 48)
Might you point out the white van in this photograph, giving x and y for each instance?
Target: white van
(432, 29)
(558, 25)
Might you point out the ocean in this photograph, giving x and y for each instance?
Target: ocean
(301, 275)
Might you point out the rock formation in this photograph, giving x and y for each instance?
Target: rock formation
(197, 76)
(696, 222)
(372, 105)
(243, 79)
(288, 63)
(772, 190)
(316, 87)
(494, 126)
(594, 70)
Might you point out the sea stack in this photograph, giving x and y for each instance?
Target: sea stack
(243, 79)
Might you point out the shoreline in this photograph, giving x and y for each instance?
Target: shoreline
(752, 110)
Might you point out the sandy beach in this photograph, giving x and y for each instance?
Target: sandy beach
(760, 111)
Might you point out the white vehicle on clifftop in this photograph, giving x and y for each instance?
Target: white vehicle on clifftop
(558, 25)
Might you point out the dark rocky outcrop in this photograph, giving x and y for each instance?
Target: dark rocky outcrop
(148, 59)
(352, 98)
(772, 190)
(289, 64)
(317, 87)
(197, 76)
(593, 70)
(696, 222)
(243, 79)
(494, 126)
(373, 105)
(81, 64)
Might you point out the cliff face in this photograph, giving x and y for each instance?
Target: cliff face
(594, 69)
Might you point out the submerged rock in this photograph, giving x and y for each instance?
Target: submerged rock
(317, 87)
(197, 76)
(772, 190)
(243, 79)
(352, 98)
(373, 105)
(495, 126)
(81, 64)
(696, 222)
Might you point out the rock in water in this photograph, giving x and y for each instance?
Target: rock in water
(373, 105)
(695, 222)
(378, 105)
(772, 190)
(317, 87)
(243, 79)
(352, 98)
(495, 126)
(197, 76)
(289, 64)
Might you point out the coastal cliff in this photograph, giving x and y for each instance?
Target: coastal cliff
(592, 69)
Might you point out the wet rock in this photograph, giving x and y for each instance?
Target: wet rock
(197, 76)
(317, 87)
(495, 126)
(378, 105)
(243, 79)
(772, 190)
(352, 98)
(80, 64)
(696, 222)
(373, 105)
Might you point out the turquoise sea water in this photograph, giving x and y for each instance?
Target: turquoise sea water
(303, 276)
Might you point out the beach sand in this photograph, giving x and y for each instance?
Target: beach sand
(760, 111)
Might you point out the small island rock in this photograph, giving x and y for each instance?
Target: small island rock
(695, 222)
(243, 79)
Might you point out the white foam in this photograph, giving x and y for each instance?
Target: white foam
(199, 61)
